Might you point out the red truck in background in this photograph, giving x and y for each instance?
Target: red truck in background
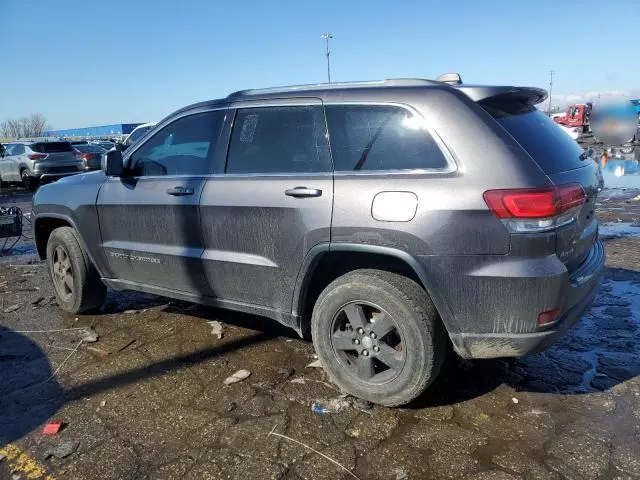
(576, 116)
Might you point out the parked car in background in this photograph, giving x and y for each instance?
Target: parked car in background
(104, 144)
(137, 133)
(90, 154)
(35, 162)
(391, 219)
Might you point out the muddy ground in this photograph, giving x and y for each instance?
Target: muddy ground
(147, 400)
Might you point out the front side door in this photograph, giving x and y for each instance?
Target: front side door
(149, 218)
(269, 204)
(11, 163)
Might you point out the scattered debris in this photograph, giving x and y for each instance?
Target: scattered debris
(286, 372)
(273, 432)
(315, 364)
(99, 351)
(130, 312)
(103, 403)
(89, 335)
(12, 308)
(37, 301)
(361, 404)
(65, 360)
(231, 407)
(301, 381)
(515, 400)
(335, 405)
(127, 344)
(216, 328)
(53, 427)
(239, 376)
(16, 476)
(62, 450)
(401, 474)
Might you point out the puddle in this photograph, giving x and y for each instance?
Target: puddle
(622, 173)
(600, 352)
(619, 230)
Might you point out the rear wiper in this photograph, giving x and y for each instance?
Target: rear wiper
(586, 154)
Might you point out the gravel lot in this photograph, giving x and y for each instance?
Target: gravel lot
(147, 400)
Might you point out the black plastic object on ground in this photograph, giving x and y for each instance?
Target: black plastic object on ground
(10, 222)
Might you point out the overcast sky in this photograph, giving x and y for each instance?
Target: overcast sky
(84, 63)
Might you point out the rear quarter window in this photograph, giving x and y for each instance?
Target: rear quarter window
(552, 149)
(52, 147)
(381, 137)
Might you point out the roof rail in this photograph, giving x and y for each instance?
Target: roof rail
(393, 82)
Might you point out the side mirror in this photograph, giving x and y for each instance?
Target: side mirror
(112, 163)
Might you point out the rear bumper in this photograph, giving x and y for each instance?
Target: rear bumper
(581, 287)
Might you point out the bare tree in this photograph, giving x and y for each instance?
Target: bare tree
(35, 125)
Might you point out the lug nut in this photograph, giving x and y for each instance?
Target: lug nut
(365, 353)
(360, 330)
(373, 335)
(376, 348)
(356, 341)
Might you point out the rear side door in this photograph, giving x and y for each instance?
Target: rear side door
(269, 204)
(149, 217)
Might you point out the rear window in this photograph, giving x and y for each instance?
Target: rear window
(51, 147)
(380, 137)
(552, 149)
(89, 148)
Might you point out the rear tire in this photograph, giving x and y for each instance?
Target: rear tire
(76, 281)
(402, 344)
(28, 181)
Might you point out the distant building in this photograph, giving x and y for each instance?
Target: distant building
(115, 130)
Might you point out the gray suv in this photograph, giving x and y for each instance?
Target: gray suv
(33, 162)
(389, 219)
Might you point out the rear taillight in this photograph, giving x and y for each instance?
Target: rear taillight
(37, 156)
(526, 210)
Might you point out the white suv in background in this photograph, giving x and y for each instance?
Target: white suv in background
(137, 133)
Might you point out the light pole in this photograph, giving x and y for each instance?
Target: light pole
(327, 36)
(551, 72)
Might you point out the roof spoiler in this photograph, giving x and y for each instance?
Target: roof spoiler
(528, 95)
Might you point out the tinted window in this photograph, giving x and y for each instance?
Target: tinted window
(89, 148)
(380, 137)
(136, 134)
(51, 147)
(180, 148)
(279, 140)
(551, 148)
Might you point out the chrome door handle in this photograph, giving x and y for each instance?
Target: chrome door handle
(302, 192)
(180, 191)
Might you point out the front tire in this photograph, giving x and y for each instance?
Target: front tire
(378, 336)
(76, 282)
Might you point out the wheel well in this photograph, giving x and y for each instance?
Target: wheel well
(42, 231)
(332, 265)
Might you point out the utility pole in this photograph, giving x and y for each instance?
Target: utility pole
(328, 36)
(551, 72)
